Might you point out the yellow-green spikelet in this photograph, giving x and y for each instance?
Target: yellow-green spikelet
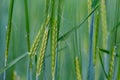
(38, 37)
(15, 76)
(89, 10)
(77, 66)
(111, 69)
(95, 37)
(37, 40)
(42, 52)
(35, 43)
(104, 23)
(104, 29)
(54, 46)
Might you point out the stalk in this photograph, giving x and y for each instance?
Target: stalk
(53, 36)
(104, 23)
(59, 14)
(8, 34)
(89, 10)
(111, 69)
(29, 76)
(77, 67)
(47, 9)
(36, 43)
(104, 31)
(96, 31)
(91, 66)
(42, 53)
(27, 24)
(14, 75)
(54, 48)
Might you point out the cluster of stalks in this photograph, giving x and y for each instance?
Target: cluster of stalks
(49, 30)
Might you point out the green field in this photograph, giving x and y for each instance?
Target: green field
(59, 40)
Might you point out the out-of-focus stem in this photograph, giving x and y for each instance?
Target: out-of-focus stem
(8, 33)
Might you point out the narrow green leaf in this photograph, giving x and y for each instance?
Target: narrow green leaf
(102, 65)
(64, 36)
(58, 51)
(103, 50)
(107, 52)
(9, 25)
(94, 3)
(8, 34)
(13, 62)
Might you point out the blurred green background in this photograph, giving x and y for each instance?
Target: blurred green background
(74, 11)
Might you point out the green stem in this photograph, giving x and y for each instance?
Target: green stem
(28, 37)
(8, 33)
(47, 8)
(27, 24)
(102, 64)
(96, 36)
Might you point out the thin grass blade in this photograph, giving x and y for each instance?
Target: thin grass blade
(13, 62)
